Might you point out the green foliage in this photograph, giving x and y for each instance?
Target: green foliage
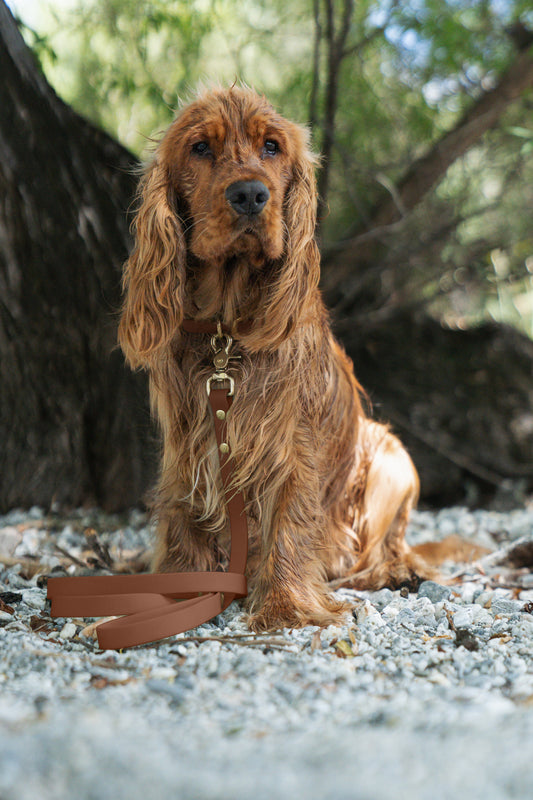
(126, 65)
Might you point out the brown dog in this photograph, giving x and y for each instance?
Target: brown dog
(225, 231)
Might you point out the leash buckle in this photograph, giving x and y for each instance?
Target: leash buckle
(221, 376)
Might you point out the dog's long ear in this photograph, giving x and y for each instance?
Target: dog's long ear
(154, 273)
(299, 270)
(301, 198)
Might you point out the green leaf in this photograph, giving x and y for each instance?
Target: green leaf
(523, 133)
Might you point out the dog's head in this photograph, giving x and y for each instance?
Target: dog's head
(225, 225)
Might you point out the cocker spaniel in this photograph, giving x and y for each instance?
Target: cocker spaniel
(225, 233)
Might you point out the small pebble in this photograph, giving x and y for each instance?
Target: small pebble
(506, 607)
(68, 631)
(434, 591)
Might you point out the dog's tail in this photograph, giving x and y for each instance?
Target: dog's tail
(452, 548)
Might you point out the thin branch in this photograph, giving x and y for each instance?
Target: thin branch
(245, 639)
(70, 556)
(364, 42)
(315, 86)
(366, 276)
(335, 45)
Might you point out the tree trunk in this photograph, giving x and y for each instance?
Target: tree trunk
(74, 422)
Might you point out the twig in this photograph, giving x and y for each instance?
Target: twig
(243, 639)
(69, 555)
(101, 550)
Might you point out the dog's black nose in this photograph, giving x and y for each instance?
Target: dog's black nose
(247, 197)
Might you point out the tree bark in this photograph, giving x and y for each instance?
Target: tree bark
(74, 422)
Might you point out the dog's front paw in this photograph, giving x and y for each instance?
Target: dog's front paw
(275, 614)
(269, 620)
(408, 571)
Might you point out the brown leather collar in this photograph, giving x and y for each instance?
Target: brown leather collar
(210, 327)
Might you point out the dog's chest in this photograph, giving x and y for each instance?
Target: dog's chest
(264, 403)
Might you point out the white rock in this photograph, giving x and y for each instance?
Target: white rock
(367, 614)
(506, 607)
(34, 598)
(68, 631)
(470, 615)
(9, 539)
(163, 673)
(484, 599)
(31, 542)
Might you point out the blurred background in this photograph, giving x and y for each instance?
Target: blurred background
(422, 113)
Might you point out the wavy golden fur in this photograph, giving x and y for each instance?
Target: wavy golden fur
(328, 491)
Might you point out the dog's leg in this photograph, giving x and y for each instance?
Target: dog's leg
(188, 507)
(391, 491)
(288, 587)
(182, 543)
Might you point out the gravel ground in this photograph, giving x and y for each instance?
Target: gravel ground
(428, 695)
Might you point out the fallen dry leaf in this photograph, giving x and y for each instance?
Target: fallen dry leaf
(344, 649)
(41, 624)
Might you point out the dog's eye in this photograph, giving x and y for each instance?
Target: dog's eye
(201, 149)
(271, 147)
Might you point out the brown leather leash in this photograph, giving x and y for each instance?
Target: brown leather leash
(148, 601)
